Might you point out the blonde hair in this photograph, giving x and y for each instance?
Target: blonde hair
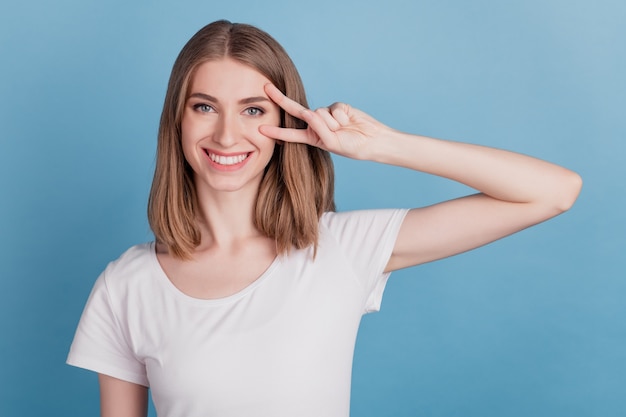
(298, 183)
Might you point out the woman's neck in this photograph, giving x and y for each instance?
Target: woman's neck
(226, 218)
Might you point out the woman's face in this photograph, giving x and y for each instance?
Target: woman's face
(220, 127)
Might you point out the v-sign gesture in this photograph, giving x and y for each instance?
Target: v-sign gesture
(339, 128)
(515, 191)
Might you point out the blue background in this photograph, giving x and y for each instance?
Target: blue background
(533, 325)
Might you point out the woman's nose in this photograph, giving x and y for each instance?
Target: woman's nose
(227, 131)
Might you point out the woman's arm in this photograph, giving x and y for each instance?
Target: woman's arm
(515, 191)
(121, 398)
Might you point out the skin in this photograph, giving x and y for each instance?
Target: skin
(122, 399)
(226, 107)
(513, 191)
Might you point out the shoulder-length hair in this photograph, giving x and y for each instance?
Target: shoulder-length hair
(298, 183)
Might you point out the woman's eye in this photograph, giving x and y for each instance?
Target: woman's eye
(204, 108)
(254, 111)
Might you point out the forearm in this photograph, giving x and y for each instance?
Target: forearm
(500, 174)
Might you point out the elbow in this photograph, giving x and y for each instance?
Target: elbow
(568, 191)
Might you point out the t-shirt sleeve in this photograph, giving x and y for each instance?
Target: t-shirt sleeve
(367, 238)
(101, 344)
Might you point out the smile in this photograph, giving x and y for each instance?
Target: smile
(227, 160)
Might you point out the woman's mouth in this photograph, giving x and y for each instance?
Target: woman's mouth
(227, 160)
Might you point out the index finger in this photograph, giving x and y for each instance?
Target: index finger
(290, 106)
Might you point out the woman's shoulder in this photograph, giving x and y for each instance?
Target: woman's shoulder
(361, 227)
(339, 219)
(132, 264)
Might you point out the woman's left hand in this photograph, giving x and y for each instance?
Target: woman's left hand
(339, 128)
(515, 191)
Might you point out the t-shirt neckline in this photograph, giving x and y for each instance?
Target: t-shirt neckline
(164, 279)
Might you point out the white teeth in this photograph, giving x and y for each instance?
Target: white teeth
(227, 160)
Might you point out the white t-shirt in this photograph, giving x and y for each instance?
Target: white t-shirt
(283, 346)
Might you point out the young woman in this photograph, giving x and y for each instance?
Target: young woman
(249, 301)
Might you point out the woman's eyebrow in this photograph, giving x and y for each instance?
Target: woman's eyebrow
(247, 100)
(253, 100)
(204, 97)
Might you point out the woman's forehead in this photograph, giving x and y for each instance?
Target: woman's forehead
(227, 78)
